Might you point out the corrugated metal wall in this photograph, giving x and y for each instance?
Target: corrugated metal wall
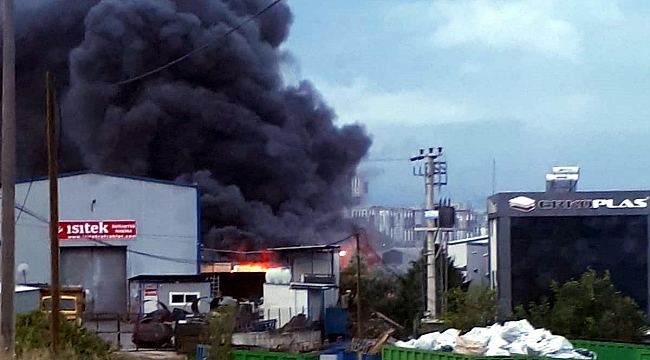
(166, 215)
(101, 270)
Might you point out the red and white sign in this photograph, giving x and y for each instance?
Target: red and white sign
(106, 229)
(150, 292)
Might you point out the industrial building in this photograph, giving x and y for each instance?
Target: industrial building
(112, 229)
(173, 291)
(538, 237)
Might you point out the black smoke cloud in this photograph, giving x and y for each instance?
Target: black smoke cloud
(272, 166)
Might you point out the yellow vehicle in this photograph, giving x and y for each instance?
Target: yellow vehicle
(72, 303)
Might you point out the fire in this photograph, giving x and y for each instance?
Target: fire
(254, 267)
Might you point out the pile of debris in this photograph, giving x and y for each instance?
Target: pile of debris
(376, 325)
(513, 338)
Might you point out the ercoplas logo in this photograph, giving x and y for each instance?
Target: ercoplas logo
(640, 203)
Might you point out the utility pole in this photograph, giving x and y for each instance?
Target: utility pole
(430, 182)
(8, 178)
(53, 174)
(358, 296)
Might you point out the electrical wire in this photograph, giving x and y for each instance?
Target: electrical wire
(226, 251)
(202, 47)
(20, 210)
(142, 253)
(384, 160)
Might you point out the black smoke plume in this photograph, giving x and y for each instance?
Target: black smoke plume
(272, 166)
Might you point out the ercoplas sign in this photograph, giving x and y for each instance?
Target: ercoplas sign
(639, 203)
(91, 229)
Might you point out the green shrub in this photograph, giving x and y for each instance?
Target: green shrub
(33, 334)
(219, 330)
(589, 308)
(472, 308)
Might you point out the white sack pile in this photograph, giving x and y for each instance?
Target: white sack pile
(513, 338)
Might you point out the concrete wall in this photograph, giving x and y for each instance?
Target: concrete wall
(295, 341)
(166, 215)
(477, 264)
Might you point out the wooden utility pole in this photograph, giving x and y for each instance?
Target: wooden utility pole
(53, 174)
(8, 178)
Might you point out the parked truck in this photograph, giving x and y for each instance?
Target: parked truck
(72, 303)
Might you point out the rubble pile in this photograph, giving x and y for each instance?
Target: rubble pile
(513, 338)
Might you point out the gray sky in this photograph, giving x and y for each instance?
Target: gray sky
(531, 83)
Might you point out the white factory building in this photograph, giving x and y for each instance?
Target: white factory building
(112, 229)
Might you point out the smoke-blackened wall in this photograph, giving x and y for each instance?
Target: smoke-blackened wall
(272, 166)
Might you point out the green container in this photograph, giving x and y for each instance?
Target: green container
(397, 353)
(614, 351)
(202, 353)
(268, 355)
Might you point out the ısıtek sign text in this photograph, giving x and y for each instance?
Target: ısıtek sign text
(526, 204)
(91, 229)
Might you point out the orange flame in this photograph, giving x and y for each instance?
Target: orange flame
(254, 267)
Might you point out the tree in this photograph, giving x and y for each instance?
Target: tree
(400, 297)
(589, 308)
(478, 306)
(379, 287)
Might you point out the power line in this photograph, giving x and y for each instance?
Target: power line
(142, 253)
(163, 67)
(20, 211)
(384, 160)
(226, 251)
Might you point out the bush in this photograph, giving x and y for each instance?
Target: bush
(219, 330)
(589, 308)
(472, 308)
(33, 335)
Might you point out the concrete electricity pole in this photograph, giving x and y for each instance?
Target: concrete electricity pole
(430, 172)
(8, 178)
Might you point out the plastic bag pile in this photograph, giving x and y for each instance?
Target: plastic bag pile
(513, 338)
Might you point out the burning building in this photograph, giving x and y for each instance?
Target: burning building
(284, 281)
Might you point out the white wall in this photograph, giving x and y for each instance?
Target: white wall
(458, 253)
(166, 215)
(282, 303)
(493, 252)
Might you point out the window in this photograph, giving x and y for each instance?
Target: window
(64, 304)
(182, 298)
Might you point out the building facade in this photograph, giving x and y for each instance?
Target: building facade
(112, 228)
(536, 238)
(470, 222)
(399, 223)
(174, 291)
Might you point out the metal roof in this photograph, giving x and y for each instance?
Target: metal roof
(23, 288)
(172, 278)
(121, 176)
(306, 248)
